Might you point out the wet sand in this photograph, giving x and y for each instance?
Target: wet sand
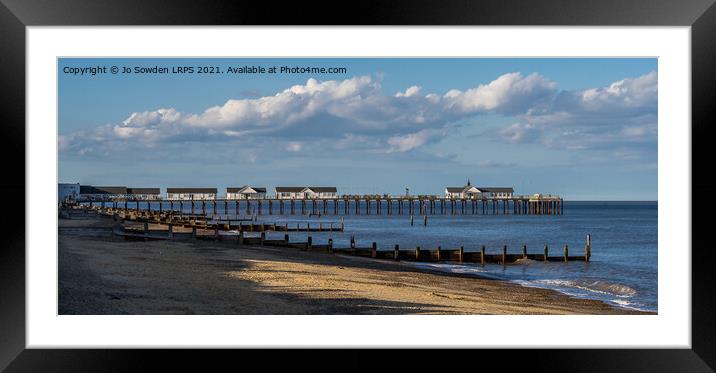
(100, 273)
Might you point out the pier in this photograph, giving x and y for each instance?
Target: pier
(349, 204)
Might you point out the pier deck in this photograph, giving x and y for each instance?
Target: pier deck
(358, 205)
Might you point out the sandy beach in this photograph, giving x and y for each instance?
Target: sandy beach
(100, 273)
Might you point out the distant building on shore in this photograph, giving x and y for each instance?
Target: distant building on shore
(470, 191)
(103, 192)
(246, 192)
(189, 194)
(306, 192)
(144, 194)
(67, 192)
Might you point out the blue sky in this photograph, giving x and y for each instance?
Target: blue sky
(582, 128)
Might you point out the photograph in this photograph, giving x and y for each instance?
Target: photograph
(357, 186)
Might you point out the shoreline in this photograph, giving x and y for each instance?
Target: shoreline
(100, 273)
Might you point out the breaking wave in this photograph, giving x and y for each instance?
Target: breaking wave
(598, 286)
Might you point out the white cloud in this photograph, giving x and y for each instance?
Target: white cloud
(510, 93)
(611, 116)
(627, 93)
(518, 133)
(411, 91)
(351, 111)
(410, 141)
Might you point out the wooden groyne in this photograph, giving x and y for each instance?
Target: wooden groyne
(357, 205)
(193, 221)
(196, 230)
(438, 254)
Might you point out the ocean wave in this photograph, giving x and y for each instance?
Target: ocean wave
(597, 286)
(456, 268)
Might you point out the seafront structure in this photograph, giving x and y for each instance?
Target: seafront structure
(68, 192)
(191, 194)
(144, 194)
(306, 192)
(467, 200)
(102, 192)
(470, 191)
(246, 192)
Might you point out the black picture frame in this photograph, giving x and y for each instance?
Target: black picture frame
(16, 15)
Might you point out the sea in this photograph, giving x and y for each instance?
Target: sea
(622, 270)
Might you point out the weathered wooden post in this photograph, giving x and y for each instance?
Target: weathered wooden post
(589, 248)
(504, 254)
(396, 252)
(482, 254)
(546, 252)
(309, 244)
(417, 252)
(524, 251)
(566, 253)
(373, 250)
(462, 252)
(439, 249)
(353, 242)
(330, 245)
